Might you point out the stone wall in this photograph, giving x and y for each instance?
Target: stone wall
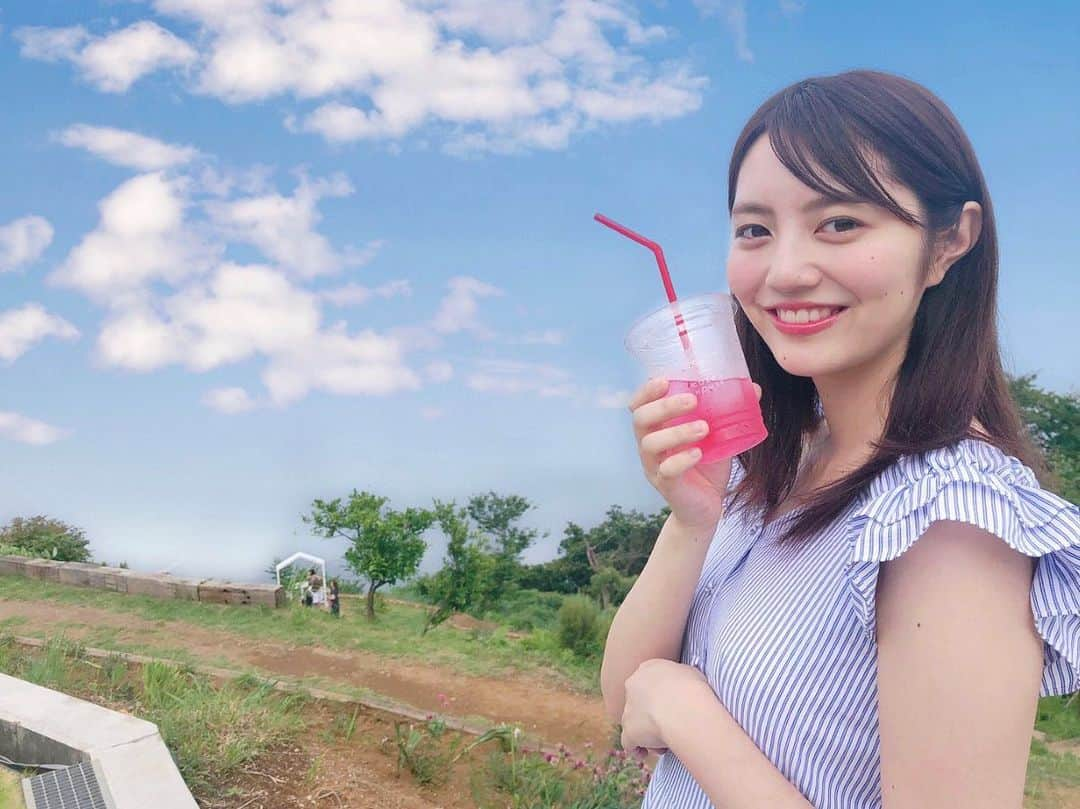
(155, 585)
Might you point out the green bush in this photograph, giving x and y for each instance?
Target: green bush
(528, 610)
(46, 538)
(579, 624)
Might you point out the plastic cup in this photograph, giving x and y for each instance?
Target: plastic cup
(714, 370)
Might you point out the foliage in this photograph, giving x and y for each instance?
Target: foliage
(456, 587)
(610, 587)
(482, 566)
(579, 625)
(528, 780)
(622, 541)
(1053, 419)
(385, 546)
(46, 538)
(494, 518)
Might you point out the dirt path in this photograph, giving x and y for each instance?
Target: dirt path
(524, 699)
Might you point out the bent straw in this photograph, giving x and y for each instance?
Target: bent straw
(658, 251)
(661, 262)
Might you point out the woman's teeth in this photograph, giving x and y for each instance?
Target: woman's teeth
(804, 315)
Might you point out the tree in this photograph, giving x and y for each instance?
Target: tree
(47, 538)
(623, 541)
(456, 587)
(494, 518)
(610, 587)
(385, 546)
(1053, 419)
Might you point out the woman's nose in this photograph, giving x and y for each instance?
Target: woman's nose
(792, 266)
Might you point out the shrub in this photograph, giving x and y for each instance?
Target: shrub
(46, 538)
(579, 622)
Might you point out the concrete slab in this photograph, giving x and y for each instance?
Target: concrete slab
(39, 725)
(142, 774)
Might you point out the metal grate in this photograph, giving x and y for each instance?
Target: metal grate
(71, 788)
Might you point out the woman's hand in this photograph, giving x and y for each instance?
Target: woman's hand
(695, 493)
(658, 686)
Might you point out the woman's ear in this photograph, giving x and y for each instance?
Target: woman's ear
(955, 243)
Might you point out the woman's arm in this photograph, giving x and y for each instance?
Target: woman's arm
(723, 759)
(959, 666)
(651, 620)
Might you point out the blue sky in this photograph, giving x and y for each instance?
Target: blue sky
(254, 252)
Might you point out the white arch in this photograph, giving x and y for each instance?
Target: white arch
(296, 557)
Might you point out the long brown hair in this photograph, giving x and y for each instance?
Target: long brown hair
(836, 134)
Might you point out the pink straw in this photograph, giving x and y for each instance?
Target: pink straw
(657, 250)
(664, 275)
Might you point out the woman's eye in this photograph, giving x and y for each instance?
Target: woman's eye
(750, 232)
(843, 225)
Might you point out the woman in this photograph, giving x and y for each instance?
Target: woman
(867, 605)
(335, 598)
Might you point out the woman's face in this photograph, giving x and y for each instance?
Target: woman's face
(830, 286)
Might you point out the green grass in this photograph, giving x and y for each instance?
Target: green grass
(395, 633)
(1059, 718)
(1048, 775)
(10, 790)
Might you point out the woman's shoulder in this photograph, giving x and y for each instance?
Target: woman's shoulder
(970, 481)
(971, 461)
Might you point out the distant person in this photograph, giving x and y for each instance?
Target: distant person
(315, 588)
(335, 598)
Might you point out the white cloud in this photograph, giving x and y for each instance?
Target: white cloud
(366, 364)
(439, 371)
(733, 12)
(253, 311)
(112, 62)
(27, 430)
(355, 294)
(282, 227)
(128, 149)
(488, 75)
(21, 328)
(141, 237)
(242, 311)
(229, 400)
(511, 377)
(22, 241)
(458, 309)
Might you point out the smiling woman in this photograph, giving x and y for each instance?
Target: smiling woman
(864, 609)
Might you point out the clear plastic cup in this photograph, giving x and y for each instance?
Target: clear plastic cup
(692, 342)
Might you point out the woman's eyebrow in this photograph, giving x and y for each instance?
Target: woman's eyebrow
(816, 204)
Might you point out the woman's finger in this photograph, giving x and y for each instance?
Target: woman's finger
(670, 437)
(757, 390)
(651, 415)
(653, 389)
(678, 463)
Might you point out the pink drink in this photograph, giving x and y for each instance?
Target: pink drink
(731, 408)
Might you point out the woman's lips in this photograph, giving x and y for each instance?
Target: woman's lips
(787, 327)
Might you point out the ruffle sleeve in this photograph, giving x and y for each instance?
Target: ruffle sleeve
(976, 483)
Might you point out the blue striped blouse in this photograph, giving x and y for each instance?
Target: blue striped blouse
(786, 637)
